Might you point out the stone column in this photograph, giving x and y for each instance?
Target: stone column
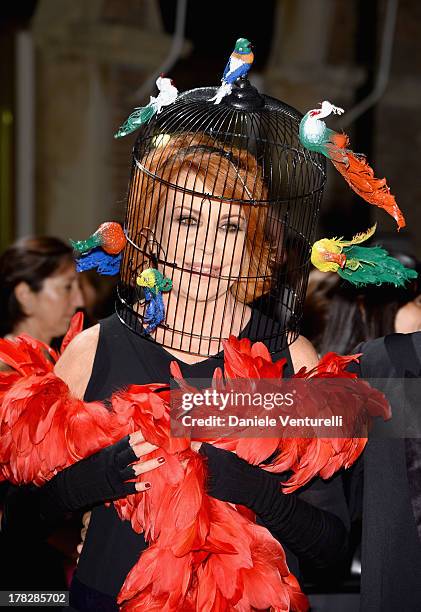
(91, 56)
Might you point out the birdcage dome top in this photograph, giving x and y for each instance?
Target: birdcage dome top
(245, 120)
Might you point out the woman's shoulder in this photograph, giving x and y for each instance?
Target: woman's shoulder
(303, 354)
(76, 363)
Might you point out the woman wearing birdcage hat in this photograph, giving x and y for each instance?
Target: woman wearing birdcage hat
(222, 205)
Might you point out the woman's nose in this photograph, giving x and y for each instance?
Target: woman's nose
(77, 298)
(207, 240)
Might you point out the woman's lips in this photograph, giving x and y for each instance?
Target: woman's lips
(205, 268)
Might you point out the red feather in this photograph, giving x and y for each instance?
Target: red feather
(76, 326)
(360, 177)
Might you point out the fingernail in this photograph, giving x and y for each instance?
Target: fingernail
(147, 485)
(161, 460)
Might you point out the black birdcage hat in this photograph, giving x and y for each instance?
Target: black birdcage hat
(223, 202)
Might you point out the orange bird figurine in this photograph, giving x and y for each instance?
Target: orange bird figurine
(315, 136)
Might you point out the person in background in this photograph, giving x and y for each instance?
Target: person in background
(359, 313)
(39, 293)
(342, 318)
(389, 474)
(99, 294)
(39, 288)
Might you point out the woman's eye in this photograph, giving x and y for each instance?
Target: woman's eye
(232, 227)
(187, 220)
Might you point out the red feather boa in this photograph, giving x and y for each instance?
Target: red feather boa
(203, 554)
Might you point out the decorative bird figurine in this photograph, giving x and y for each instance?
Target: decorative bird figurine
(238, 65)
(153, 283)
(102, 250)
(359, 265)
(109, 236)
(315, 136)
(167, 95)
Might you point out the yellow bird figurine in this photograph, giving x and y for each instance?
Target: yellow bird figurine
(153, 284)
(359, 265)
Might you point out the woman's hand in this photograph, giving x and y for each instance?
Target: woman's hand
(104, 476)
(137, 444)
(140, 449)
(234, 480)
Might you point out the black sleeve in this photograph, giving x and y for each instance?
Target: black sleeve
(312, 525)
(353, 478)
(104, 476)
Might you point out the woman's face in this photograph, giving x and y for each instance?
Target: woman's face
(52, 308)
(408, 317)
(205, 238)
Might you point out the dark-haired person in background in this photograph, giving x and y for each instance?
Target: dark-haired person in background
(337, 315)
(39, 293)
(389, 474)
(39, 289)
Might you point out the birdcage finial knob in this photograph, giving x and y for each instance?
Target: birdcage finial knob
(244, 96)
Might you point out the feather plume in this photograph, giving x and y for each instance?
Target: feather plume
(360, 177)
(358, 238)
(197, 538)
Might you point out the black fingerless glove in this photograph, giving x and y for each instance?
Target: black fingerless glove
(310, 533)
(234, 480)
(96, 479)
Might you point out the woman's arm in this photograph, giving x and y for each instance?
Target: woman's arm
(312, 533)
(313, 525)
(303, 354)
(100, 477)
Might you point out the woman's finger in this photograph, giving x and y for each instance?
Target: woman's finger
(136, 437)
(141, 487)
(147, 466)
(143, 448)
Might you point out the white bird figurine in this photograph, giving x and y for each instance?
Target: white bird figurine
(167, 95)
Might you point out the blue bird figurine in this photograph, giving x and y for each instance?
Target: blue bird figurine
(238, 66)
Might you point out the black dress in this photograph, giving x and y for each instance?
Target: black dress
(111, 547)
